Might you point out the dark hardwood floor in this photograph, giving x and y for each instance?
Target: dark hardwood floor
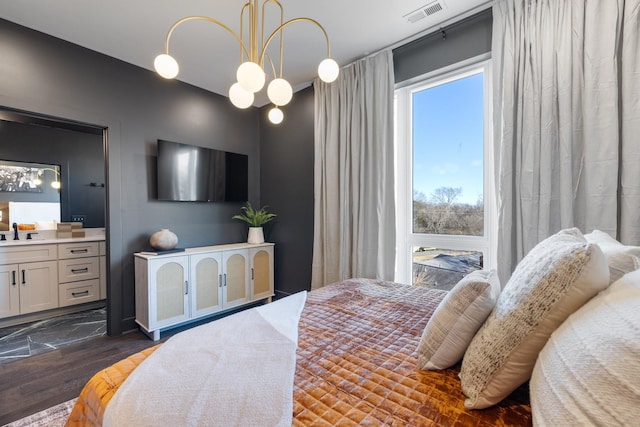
(44, 380)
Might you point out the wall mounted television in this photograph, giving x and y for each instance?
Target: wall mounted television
(188, 173)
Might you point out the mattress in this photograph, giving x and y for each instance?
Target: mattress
(356, 365)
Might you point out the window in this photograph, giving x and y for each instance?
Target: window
(444, 176)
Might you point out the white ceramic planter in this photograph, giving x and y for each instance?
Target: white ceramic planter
(256, 235)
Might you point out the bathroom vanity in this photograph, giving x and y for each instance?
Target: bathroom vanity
(44, 273)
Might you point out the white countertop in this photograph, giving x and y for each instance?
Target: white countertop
(48, 237)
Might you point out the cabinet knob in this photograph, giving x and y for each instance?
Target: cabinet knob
(186, 287)
(219, 280)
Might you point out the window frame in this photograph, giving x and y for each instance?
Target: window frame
(406, 239)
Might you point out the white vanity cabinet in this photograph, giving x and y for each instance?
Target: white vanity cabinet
(28, 279)
(176, 288)
(36, 276)
(9, 291)
(78, 272)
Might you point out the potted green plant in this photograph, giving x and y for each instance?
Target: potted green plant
(256, 218)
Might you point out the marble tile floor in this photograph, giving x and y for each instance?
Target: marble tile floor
(20, 341)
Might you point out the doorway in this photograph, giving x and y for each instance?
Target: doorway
(77, 152)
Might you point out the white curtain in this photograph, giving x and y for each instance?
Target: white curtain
(566, 120)
(629, 230)
(354, 219)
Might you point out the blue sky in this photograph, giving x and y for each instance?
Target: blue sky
(448, 138)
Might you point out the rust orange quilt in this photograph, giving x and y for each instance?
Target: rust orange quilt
(356, 365)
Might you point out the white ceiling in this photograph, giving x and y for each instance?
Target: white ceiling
(134, 31)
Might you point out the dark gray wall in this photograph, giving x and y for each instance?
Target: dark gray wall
(80, 156)
(463, 40)
(48, 76)
(286, 165)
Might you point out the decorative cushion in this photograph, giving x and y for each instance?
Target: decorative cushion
(621, 259)
(457, 319)
(589, 371)
(552, 281)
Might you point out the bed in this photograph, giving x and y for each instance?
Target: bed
(355, 364)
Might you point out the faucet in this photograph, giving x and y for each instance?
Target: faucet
(15, 231)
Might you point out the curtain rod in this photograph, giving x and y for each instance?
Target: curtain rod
(434, 30)
(450, 23)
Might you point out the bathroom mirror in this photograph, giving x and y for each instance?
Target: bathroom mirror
(29, 195)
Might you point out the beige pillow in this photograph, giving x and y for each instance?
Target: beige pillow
(589, 371)
(621, 259)
(552, 281)
(457, 319)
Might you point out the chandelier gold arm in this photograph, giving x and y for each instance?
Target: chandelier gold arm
(273, 68)
(244, 8)
(289, 22)
(203, 18)
(264, 5)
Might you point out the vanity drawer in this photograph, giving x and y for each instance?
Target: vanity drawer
(78, 292)
(78, 250)
(28, 253)
(73, 270)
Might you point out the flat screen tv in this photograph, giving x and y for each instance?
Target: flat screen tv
(187, 173)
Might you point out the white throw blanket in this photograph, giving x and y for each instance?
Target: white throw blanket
(235, 371)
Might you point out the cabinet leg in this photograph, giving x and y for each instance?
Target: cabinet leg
(153, 335)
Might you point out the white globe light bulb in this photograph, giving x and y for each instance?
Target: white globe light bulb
(56, 185)
(166, 66)
(240, 97)
(276, 116)
(250, 76)
(280, 92)
(328, 70)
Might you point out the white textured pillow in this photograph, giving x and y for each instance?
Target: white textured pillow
(589, 371)
(457, 319)
(622, 259)
(552, 281)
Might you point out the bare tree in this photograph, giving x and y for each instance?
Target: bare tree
(446, 195)
(442, 214)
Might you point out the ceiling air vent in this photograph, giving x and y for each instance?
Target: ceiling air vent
(433, 8)
(425, 11)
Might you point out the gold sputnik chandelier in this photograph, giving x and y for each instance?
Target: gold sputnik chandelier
(251, 75)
